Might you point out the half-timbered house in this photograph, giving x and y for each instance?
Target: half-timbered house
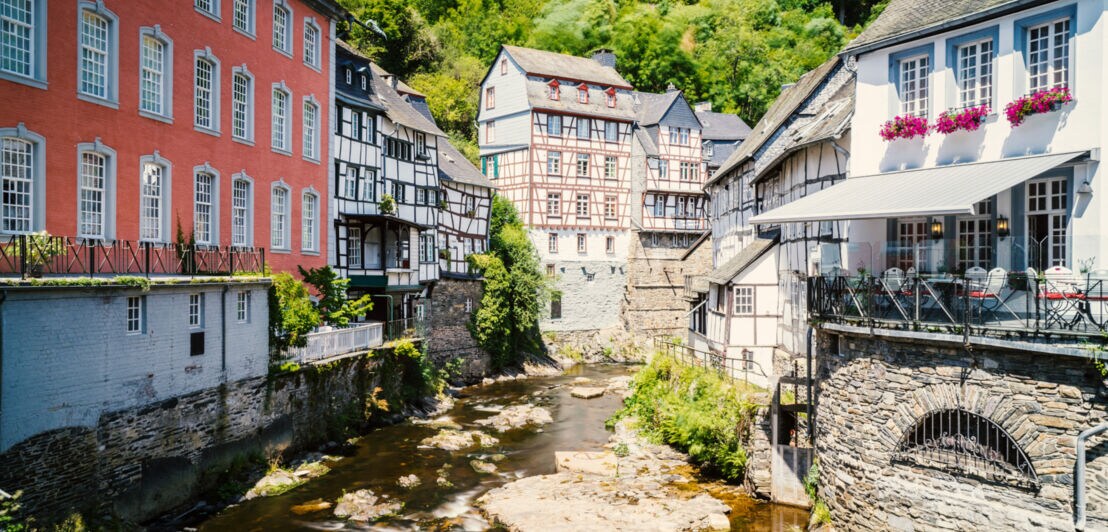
(466, 203)
(720, 135)
(386, 190)
(555, 136)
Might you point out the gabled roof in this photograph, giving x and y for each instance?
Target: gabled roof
(909, 19)
(647, 142)
(539, 97)
(779, 112)
(564, 66)
(830, 120)
(722, 126)
(735, 265)
(397, 108)
(651, 107)
(453, 166)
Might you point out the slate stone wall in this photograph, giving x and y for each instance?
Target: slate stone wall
(453, 303)
(873, 391)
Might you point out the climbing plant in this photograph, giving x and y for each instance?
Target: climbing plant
(291, 313)
(333, 305)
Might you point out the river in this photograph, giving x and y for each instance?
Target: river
(386, 454)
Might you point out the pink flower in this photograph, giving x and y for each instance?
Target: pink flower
(904, 127)
(1042, 101)
(968, 119)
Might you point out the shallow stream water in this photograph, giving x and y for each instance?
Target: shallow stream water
(386, 454)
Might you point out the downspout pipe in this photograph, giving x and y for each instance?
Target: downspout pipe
(1079, 476)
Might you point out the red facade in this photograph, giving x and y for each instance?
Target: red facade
(55, 112)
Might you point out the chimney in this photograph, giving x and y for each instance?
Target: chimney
(703, 107)
(605, 57)
(671, 87)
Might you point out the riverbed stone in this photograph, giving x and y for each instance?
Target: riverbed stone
(316, 505)
(591, 463)
(274, 483)
(517, 416)
(483, 467)
(456, 440)
(408, 482)
(585, 392)
(364, 506)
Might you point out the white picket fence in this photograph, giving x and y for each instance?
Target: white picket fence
(339, 341)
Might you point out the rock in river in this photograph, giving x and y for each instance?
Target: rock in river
(517, 416)
(482, 467)
(456, 440)
(408, 482)
(364, 505)
(584, 392)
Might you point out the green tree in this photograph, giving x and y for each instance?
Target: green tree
(291, 313)
(410, 45)
(506, 324)
(333, 305)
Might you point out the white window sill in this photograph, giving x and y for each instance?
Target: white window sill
(208, 14)
(207, 131)
(248, 34)
(312, 160)
(280, 151)
(240, 140)
(310, 252)
(286, 53)
(106, 102)
(280, 251)
(24, 80)
(156, 116)
(313, 67)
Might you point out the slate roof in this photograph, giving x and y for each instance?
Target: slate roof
(564, 66)
(647, 142)
(651, 107)
(735, 265)
(722, 126)
(539, 97)
(453, 166)
(779, 112)
(396, 107)
(908, 19)
(832, 118)
(420, 104)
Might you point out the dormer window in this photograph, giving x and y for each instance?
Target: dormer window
(349, 76)
(503, 67)
(611, 97)
(363, 82)
(583, 94)
(554, 92)
(708, 150)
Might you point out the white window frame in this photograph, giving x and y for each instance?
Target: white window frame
(196, 311)
(550, 129)
(165, 86)
(1049, 191)
(279, 230)
(659, 205)
(490, 97)
(280, 132)
(34, 72)
(611, 167)
(583, 165)
(242, 109)
(110, 95)
(427, 248)
(554, 163)
(914, 84)
(611, 206)
(135, 317)
(212, 125)
(611, 131)
(312, 55)
(31, 180)
(490, 131)
(310, 128)
(282, 6)
(582, 206)
(583, 128)
(354, 248)
(309, 221)
(582, 243)
(104, 228)
(975, 69)
(242, 307)
(212, 11)
(552, 242)
(242, 210)
(248, 17)
(210, 237)
(553, 203)
(974, 244)
(744, 300)
(1047, 68)
(160, 223)
(610, 245)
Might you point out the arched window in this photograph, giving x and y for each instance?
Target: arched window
(242, 210)
(965, 443)
(95, 191)
(279, 216)
(155, 73)
(154, 189)
(97, 54)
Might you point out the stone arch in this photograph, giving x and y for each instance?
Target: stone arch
(1012, 417)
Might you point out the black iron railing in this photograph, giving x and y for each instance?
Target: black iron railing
(36, 255)
(1017, 305)
(414, 327)
(734, 369)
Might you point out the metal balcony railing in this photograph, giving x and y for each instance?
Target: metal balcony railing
(414, 327)
(734, 369)
(35, 255)
(339, 341)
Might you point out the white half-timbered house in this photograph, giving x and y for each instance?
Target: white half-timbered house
(384, 148)
(466, 204)
(555, 136)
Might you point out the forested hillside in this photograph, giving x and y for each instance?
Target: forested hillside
(734, 53)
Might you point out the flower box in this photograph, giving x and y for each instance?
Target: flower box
(904, 127)
(1044, 101)
(968, 119)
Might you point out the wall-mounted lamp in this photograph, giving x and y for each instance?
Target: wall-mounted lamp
(1085, 188)
(936, 229)
(1002, 228)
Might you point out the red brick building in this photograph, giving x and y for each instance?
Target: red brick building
(122, 120)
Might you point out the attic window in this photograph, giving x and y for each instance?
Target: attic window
(363, 81)
(611, 97)
(348, 76)
(583, 94)
(554, 92)
(503, 67)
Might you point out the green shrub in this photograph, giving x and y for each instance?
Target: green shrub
(11, 519)
(694, 410)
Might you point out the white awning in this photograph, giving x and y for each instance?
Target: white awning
(938, 191)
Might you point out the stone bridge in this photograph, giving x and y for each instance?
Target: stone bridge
(921, 432)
